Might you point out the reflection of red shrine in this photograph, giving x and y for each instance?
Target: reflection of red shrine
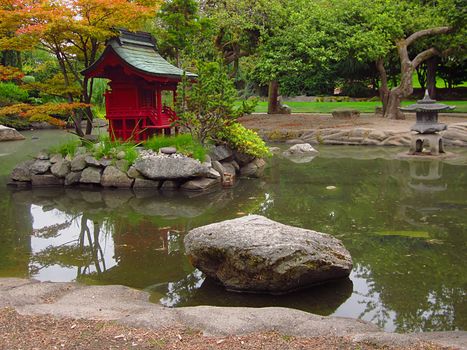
(138, 77)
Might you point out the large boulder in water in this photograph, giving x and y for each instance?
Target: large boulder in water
(255, 254)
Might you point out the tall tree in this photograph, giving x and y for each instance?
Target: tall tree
(74, 32)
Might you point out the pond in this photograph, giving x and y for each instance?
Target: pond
(404, 223)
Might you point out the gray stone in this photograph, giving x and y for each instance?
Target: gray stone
(167, 168)
(133, 173)
(22, 172)
(122, 164)
(243, 158)
(78, 163)
(42, 155)
(300, 149)
(256, 254)
(201, 184)
(105, 162)
(145, 183)
(73, 178)
(91, 175)
(229, 168)
(9, 134)
(216, 165)
(114, 177)
(46, 180)
(235, 165)
(121, 155)
(40, 166)
(213, 174)
(221, 152)
(168, 150)
(91, 161)
(345, 113)
(255, 169)
(61, 168)
(56, 158)
(81, 150)
(170, 185)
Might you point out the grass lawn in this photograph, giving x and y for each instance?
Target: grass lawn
(364, 107)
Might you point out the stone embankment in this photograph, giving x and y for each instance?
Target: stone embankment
(130, 307)
(166, 170)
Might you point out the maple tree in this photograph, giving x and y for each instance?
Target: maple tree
(74, 32)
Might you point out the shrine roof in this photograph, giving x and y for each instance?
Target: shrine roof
(139, 51)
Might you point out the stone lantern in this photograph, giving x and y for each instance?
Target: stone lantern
(427, 126)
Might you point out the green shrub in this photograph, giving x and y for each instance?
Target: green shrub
(66, 148)
(111, 148)
(244, 140)
(11, 93)
(184, 143)
(17, 123)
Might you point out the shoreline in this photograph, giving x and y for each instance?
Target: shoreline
(128, 307)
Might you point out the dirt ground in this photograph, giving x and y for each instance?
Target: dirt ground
(323, 121)
(45, 332)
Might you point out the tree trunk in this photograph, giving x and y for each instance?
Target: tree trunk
(384, 89)
(432, 65)
(273, 97)
(392, 110)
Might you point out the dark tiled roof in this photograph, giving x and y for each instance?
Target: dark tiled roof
(139, 50)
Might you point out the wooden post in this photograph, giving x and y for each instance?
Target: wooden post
(159, 102)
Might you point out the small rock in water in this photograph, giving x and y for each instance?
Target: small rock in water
(35, 138)
(331, 187)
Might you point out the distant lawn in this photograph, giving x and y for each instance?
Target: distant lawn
(364, 107)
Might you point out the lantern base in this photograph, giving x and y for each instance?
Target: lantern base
(431, 144)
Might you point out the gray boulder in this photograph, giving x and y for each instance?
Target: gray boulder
(21, 172)
(146, 184)
(40, 166)
(168, 168)
(255, 254)
(242, 158)
(46, 180)
(168, 150)
(90, 175)
(9, 134)
(91, 161)
(229, 168)
(221, 152)
(56, 158)
(78, 163)
(61, 168)
(300, 149)
(114, 177)
(201, 184)
(73, 178)
(42, 155)
(255, 169)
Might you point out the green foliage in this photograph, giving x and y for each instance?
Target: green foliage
(66, 148)
(107, 148)
(11, 93)
(244, 140)
(14, 122)
(206, 106)
(184, 143)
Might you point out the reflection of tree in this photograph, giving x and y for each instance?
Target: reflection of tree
(85, 252)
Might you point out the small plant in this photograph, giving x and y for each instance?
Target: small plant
(184, 144)
(111, 148)
(66, 148)
(244, 140)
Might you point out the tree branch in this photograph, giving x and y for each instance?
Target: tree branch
(424, 55)
(421, 33)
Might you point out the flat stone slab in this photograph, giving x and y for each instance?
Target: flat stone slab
(256, 254)
(131, 307)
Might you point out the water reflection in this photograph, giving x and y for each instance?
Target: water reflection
(404, 223)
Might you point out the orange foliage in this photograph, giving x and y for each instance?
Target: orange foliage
(10, 73)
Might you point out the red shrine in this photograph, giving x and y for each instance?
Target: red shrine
(137, 105)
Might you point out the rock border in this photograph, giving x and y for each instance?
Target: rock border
(131, 307)
(164, 170)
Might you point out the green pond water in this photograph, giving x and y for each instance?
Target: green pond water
(404, 222)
